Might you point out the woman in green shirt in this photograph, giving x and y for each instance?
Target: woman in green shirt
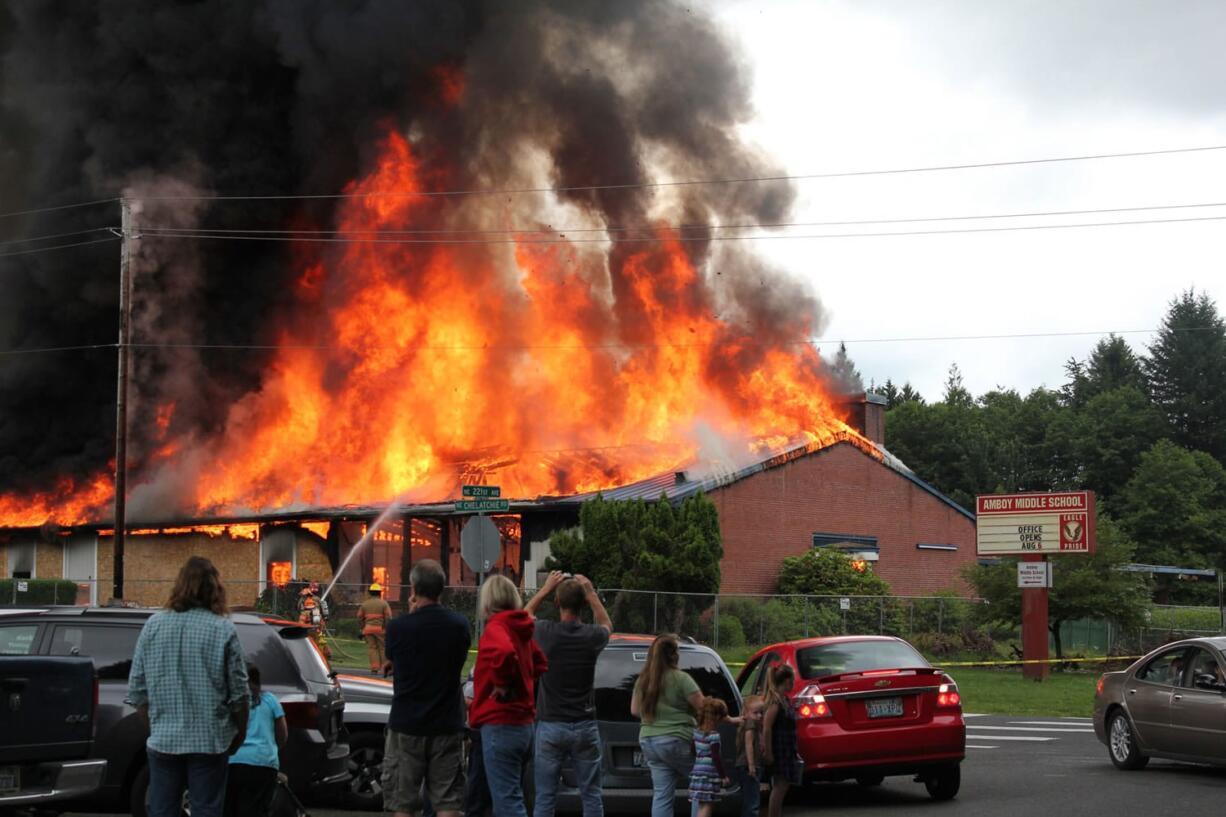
(666, 699)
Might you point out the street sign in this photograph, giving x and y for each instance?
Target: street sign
(483, 505)
(1012, 524)
(485, 491)
(1034, 574)
(480, 544)
(844, 603)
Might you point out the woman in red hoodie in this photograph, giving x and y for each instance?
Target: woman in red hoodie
(504, 692)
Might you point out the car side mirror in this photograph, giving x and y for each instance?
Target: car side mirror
(1208, 681)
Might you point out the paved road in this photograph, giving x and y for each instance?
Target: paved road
(1020, 767)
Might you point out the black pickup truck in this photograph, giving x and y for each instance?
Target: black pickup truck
(47, 708)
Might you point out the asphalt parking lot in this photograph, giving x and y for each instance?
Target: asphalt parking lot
(1019, 767)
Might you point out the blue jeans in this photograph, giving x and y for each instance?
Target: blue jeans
(751, 791)
(204, 776)
(669, 759)
(506, 750)
(556, 741)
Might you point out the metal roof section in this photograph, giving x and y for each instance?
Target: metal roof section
(676, 486)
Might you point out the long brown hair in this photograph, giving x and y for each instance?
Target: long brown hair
(663, 656)
(776, 676)
(198, 585)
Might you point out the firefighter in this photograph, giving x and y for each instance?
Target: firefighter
(311, 613)
(373, 616)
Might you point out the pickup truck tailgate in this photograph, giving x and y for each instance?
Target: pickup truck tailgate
(47, 708)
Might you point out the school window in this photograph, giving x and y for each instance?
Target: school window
(20, 561)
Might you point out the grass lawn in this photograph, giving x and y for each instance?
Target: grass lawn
(1005, 692)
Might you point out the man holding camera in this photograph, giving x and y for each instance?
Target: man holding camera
(566, 707)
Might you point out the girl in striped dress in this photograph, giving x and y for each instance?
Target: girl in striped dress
(708, 777)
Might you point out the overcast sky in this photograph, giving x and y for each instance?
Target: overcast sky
(862, 85)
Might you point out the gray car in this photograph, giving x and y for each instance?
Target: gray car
(314, 759)
(627, 782)
(1169, 704)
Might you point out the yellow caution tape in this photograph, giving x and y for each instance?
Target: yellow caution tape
(1101, 660)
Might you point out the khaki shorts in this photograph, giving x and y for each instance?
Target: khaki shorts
(410, 760)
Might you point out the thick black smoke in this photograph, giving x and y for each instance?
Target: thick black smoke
(292, 97)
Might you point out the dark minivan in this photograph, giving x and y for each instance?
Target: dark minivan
(314, 759)
(627, 782)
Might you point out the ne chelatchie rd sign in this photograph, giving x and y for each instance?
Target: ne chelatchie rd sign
(1018, 524)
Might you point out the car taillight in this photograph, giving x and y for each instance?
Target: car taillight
(948, 697)
(301, 714)
(1098, 688)
(810, 703)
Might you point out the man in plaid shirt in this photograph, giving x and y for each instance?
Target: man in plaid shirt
(189, 682)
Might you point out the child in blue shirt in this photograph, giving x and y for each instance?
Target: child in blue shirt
(252, 779)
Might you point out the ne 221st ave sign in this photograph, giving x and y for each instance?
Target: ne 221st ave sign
(1018, 524)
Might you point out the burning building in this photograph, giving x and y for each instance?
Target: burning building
(847, 492)
(383, 250)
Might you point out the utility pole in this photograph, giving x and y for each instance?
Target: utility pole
(121, 396)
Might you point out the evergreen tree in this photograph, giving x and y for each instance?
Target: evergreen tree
(638, 545)
(908, 394)
(844, 371)
(1186, 370)
(956, 393)
(1113, 365)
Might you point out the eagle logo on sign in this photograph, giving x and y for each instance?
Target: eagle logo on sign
(1073, 530)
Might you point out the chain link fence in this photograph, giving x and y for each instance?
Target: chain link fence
(936, 624)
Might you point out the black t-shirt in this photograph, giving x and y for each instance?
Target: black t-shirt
(565, 690)
(427, 650)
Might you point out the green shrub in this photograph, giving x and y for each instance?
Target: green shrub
(731, 634)
(38, 591)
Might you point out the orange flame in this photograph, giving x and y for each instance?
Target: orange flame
(521, 366)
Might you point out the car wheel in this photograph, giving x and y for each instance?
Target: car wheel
(1122, 743)
(870, 779)
(139, 800)
(365, 791)
(944, 783)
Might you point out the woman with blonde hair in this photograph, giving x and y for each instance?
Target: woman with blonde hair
(504, 692)
(666, 699)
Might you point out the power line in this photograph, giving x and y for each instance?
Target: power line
(35, 210)
(56, 235)
(59, 247)
(689, 183)
(604, 346)
(49, 349)
(635, 185)
(293, 232)
(188, 233)
(238, 347)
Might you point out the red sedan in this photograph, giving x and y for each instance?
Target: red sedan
(868, 707)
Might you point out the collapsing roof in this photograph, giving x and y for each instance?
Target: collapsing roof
(672, 485)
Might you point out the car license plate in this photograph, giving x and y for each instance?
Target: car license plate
(637, 760)
(10, 779)
(885, 708)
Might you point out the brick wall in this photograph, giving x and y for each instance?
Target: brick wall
(151, 564)
(775, 513)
